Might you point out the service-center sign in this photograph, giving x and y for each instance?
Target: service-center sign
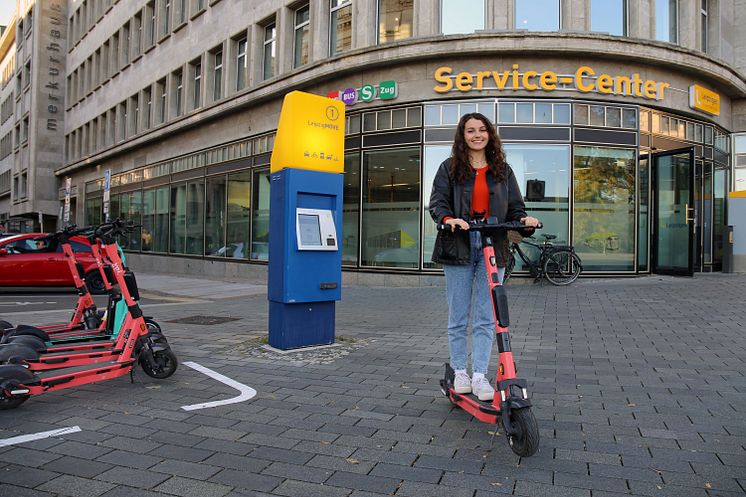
(310, 134)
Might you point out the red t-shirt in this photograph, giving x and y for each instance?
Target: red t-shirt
(480, 197)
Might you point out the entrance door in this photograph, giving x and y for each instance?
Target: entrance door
(673, 212)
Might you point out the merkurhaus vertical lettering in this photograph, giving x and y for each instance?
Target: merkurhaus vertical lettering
(56, 54)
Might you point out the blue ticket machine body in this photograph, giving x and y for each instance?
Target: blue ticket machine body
(305, 257)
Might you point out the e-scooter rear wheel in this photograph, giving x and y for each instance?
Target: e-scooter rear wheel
(525, 441)
(11, 376)
(164, 364)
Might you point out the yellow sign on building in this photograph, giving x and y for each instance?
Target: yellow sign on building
(310, 134)
(701, 98)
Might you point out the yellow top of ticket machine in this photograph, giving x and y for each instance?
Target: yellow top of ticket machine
(310, 134)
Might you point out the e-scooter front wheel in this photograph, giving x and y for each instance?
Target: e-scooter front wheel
(163, 364)
(525, 441)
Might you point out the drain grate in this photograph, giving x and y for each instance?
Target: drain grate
(203, 320)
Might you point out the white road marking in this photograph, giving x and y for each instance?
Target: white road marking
(246, 391)
(38, 436)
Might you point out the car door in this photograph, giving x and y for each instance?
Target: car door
(25, 264)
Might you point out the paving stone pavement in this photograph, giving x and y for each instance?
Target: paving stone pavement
(638, 385)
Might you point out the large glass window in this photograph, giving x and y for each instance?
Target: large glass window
(667, 20)
(217, 76)
(391, 198)
(537, 15)
(270, 56)
(160, 236)
(642, 228)
(340, 26)
(543, 176)
(195, 236)
(609, 16)
(148, 220)
(260, 216)
(241, 64)
(94, 211)
(178, 219)
(302, 29)
(455, 19)
(604, 207)
(394, 20)
(238, 216)
(434, 156)
(215, 212)
(351, 208)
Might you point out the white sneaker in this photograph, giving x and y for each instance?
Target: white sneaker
(481, 387)
(462, 382)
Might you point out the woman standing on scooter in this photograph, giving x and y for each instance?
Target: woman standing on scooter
(475, 182)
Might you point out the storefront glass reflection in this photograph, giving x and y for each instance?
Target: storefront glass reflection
(604, 207)
(391, 204)
(543, 175)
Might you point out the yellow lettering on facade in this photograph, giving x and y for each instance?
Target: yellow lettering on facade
(463, 81)
(579, 84)
(480, 78)
(605, 84)
(584, 80)
(548, 80)
(501, 79)
(623, 85)
(526, 77)
(661, 88)
(442, 75)
(636, 84)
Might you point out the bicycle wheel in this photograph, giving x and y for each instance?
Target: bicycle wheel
(562, 267)
(509, 267)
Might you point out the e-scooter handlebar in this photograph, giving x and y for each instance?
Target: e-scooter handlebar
(492, 224)
(107, 232)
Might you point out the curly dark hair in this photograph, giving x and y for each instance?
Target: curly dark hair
(461, 169)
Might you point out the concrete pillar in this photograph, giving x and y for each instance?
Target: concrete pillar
(574, 15)
(640, 19)
(739, 36)
(364, 23)
(500, 15)
(426, 18)
(285, 39)
(319, 11)
(688, 28)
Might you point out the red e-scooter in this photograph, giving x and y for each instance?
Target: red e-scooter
(134, 344)
(510, 406)
(86, 315)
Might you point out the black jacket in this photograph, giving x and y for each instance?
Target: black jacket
(454, 200)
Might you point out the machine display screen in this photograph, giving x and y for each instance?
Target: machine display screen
(310, 230)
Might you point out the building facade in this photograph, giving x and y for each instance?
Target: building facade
(620, 118)
(32, 137)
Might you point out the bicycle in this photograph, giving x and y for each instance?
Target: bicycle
(557, 263)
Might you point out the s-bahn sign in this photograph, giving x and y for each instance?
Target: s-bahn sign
(585, 80)
(385, 90)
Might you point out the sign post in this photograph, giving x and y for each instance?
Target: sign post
(305, 221)
(66, 209)
(107, 194)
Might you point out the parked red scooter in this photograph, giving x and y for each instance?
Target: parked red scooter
(135, 344)
(512, 407)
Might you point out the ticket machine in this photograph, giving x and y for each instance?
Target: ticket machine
(305, 216)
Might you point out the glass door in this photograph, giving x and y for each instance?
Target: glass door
(673, 212)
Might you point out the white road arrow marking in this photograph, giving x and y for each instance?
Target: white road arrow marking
(38, 436)
(246, 391)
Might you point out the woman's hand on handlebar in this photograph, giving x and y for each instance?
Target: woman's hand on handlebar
(530, 222)
(456, 222)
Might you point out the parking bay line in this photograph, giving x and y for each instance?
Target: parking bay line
(246, 391)
(39, 436)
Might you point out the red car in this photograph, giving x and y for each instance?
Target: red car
(26, 262)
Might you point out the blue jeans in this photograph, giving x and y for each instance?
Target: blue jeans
(467, 287)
